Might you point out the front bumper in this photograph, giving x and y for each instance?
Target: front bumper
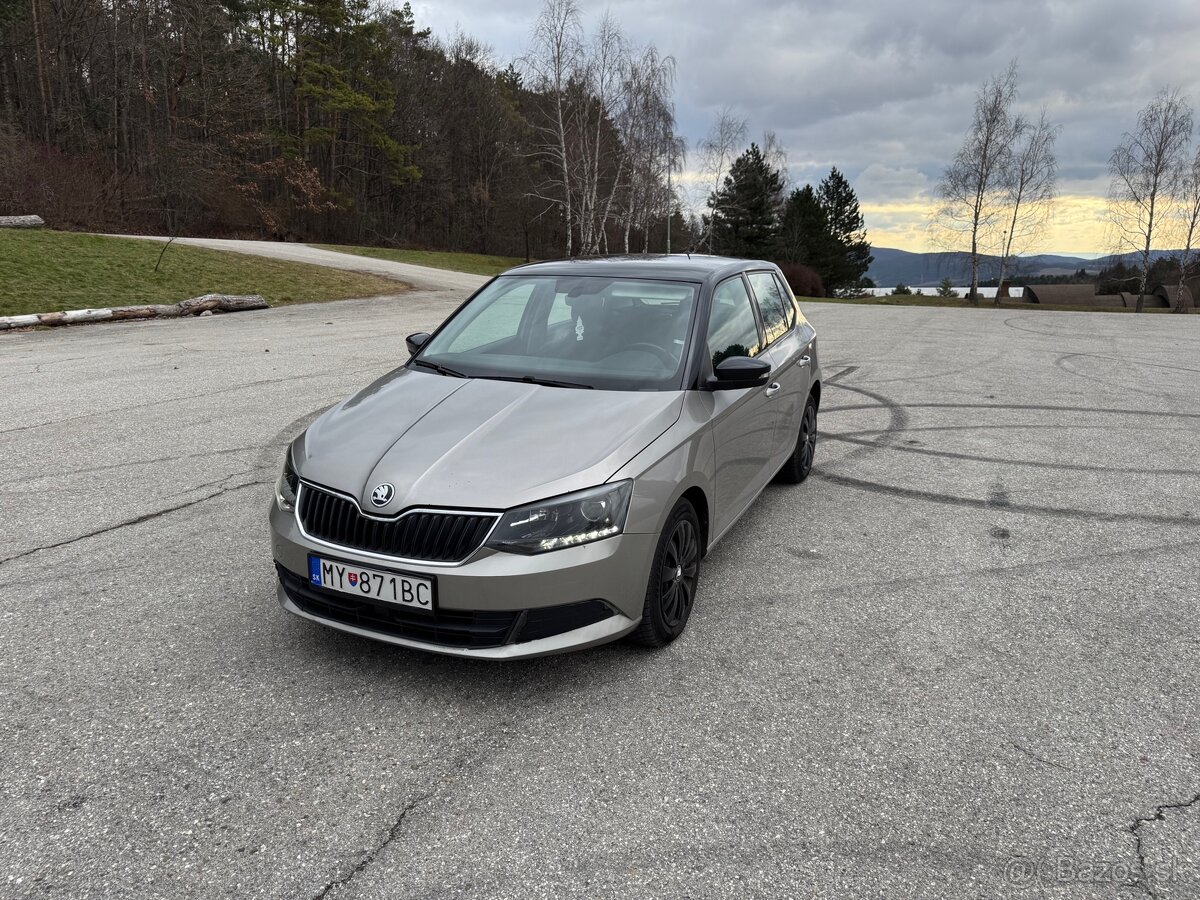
(493, 606)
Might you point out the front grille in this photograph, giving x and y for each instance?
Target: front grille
(448, 627)
(434, 536)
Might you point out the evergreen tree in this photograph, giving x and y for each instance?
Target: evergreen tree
(745, 211)
(848, 231)
(804, 234)
(946, 288)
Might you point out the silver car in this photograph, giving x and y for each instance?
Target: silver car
(550, 466)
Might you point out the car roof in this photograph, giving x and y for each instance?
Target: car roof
(674, 267)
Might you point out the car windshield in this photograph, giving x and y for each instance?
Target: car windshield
(621, 334)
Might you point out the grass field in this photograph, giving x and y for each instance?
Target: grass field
(47, 271)
(474, 263)
(933, 300)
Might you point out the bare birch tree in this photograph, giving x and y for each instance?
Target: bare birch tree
(1148, 175)
(1189, 215)
(1031, 184)
(717, 152)
(776, 155)
(972, 189)
(601, 83)
(677, 151)
(554, 58)
(646, 124)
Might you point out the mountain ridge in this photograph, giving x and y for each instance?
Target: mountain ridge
(891, 266)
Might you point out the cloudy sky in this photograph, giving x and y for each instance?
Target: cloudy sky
(884, 89)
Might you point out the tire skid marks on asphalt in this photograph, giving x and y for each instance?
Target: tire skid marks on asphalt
(899, 420)
(852, 437)
(1064, 364)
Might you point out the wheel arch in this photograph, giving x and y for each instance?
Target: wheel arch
(695, 495)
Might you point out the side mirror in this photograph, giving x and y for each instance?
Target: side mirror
(739, 372)
(416, 341)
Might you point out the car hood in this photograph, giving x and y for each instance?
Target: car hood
(477, 444)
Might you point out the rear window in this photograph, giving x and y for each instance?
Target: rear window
(771, 304)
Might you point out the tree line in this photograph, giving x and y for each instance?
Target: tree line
(817, 235)
(344, 121)
(334, 120)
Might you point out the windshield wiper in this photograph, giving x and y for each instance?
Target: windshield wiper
(441, 370)
(530, 379)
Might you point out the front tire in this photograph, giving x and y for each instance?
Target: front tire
(800, 463)
(674, 578)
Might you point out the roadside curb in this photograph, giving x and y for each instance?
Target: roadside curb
(206, 303)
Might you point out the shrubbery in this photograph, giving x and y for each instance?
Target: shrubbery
(803, 281)
(946, 288)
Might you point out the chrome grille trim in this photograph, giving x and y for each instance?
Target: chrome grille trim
(441, 537)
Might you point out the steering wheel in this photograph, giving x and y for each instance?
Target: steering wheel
(654, 350)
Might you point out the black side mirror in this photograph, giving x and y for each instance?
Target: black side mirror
(417, 341)
(739, 372)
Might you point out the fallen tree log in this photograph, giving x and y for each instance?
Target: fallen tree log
(18, 321)
(152, 311)
(73, 316)
(192, 307)
(21, 222)
(220, 303)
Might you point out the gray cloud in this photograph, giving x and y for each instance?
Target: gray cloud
(884, 90)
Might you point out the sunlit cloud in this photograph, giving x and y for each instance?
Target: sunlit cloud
(1076, 224)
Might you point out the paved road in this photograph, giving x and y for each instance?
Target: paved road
(961, 661)
(421, 277)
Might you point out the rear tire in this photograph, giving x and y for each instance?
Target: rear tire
(674, 579)
(800, 463)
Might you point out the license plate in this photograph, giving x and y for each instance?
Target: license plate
(358, 581)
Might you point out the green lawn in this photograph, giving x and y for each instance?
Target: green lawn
(47, 271)
(474, 263)
(934, 300)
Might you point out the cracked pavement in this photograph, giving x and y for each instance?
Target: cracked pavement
(960, 661)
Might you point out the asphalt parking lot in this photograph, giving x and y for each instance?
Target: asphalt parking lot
(962, 660)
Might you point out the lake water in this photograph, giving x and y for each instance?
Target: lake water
(962, 291)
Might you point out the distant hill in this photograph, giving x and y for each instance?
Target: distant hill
(892, 267)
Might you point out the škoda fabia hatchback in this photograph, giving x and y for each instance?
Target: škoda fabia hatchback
(550, 466)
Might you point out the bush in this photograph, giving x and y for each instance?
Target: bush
(803, 281)
(68, 191)
(946, 288)
(903, 290)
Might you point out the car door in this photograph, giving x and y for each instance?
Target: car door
(743, 423)
(790, 362)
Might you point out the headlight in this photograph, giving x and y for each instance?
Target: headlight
(285, 487)
(565, 521)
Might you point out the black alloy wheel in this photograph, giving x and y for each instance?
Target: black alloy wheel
(674, 579)
(800, 463)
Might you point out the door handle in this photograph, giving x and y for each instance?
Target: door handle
(772, 389)
(804, 360)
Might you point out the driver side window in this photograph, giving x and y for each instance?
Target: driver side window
(732, 329)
